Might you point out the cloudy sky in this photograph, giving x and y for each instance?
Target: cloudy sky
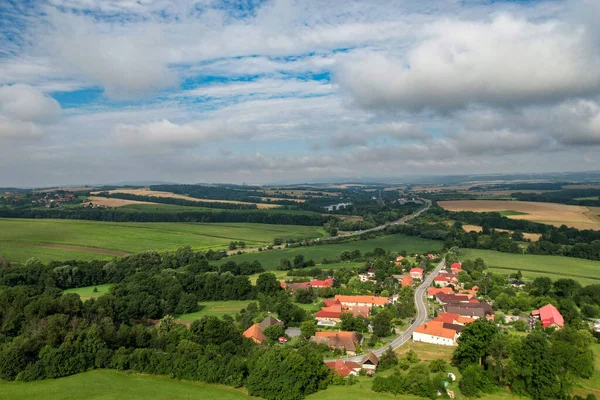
(95, 91)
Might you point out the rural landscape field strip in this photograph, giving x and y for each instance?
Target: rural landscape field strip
(548, 213)
(107, 237)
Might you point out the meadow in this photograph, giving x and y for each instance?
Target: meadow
(587, 272)
(53, 239)
(270, 259)
(216, 309)
(86, 293)
(547, 213)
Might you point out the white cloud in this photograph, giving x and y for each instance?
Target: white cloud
(505, 62)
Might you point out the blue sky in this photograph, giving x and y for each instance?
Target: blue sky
(295, 91)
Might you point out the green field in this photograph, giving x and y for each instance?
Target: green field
(87, 292)
(270, 259)
(173, 208)
(216, 309)
(92, 239)
(586, 198)
(508, 213)
(586, 272)
(112, 385)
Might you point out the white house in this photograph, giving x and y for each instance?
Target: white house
(434, 332)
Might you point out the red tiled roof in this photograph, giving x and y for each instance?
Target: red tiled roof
(432, 291)
(255, 333)
(436, 328)
(416, 270)
(456, 265)
(374, 300)
(330, 302)
(549, 315)
(325, 283)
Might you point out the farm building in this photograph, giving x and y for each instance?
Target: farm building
(255, 332)
(342, 340)
(436, 332)
(321, 284)
(370, 362)
(549, 316)
(364, 301)
(473, 310)
(432, 291)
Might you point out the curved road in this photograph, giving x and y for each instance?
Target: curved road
(422, 316)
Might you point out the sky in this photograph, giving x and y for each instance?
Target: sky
(105, 91)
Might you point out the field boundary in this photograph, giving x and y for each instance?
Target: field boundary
(71, 247)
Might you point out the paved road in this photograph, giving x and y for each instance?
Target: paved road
(422, 316)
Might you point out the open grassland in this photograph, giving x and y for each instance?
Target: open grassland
(426, 351)
(80, 239)
(215, 309)
(587, 272)
(86, 293)
(547, 213)
(148, 192)
(534, 237)
(270, 259)
(113, 385)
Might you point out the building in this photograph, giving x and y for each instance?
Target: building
(436, 332)
(403, 280)
(455, 319)
(368, 301)
(417, 273)
(330, 313)
(444, 280)
(347, 341)
(344, 368)
(549, 316)
(456, 267)
(452, 298)
(371, 273)
(364, 277)
(433, 291)
(370, 362)
(322, 284)
(292, 287)
(473, 310)
(255, 332)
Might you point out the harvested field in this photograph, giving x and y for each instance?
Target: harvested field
(109, 202)
(67, 189)
(547, 213)
(148, 192)
(534, 237)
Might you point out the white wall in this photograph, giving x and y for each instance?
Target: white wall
(422, 337)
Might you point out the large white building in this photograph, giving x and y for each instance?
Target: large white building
(434, 332)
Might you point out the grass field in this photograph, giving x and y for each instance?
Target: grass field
(112, 385)
(587, 272)
(426, 351)
(172, 208)
(270, 259)
(547, 213)
(87, 292)
(69, 239)
(215, 309)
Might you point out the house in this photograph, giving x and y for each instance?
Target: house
(473, 310)
(436, 332)
(416, 273)
(368, 301)
(549, 316)
(431, 256)
(371, 273)
(399, 258)
(444, 280)
(364, 277)
(516, 283)
(292, 287)
(370, 362)
(452, 298)
(322, 284)
(456, 267)
(432, 291)
(404, 280)
(470, 292)
(363, 311)
(255, 332)
(341, 340)
(344, 368)
(455, 319)
(331, 313)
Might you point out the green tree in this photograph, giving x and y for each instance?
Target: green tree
(473, 343)
(382, 323)
(274, 332)
(438, 365)
(267, 283)
(308, 328)
(388, 359)
(284, 265)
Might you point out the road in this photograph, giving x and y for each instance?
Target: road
(402, 220)
(422, 316)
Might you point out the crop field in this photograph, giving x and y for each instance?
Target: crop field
(53, 239)
(547, 213)
(587, 272)
(148, 192)
(113, 385)
(534, 237)
(86, 293)
(215, 309)
(270, 259)
(110, 202)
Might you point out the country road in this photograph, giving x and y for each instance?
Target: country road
(422, 316)
(357, 233)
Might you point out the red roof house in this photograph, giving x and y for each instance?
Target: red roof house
(433, 291)
(416, 273)
(344, 368)
(321, 284)
(549, 316)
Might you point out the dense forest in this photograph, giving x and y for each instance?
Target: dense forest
(577, 197)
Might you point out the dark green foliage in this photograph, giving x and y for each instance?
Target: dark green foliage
(388, 359)
(438, 365)
(284, 373)
(473, 343)
(382, 323)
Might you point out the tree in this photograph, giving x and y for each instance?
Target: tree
(284, 264)
(308, 329)
(382, 323)
(274, 332)
(388, 359)
(305, 296)
(471, 381)
(283, 373)
(438, 365)
(267, 283)
(299, 261)
(473, 343)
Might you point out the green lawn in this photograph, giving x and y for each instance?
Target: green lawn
(112, 385)
(270, 259)
(585, 271)
(19, 235)
(216, 309)
(87, 292)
